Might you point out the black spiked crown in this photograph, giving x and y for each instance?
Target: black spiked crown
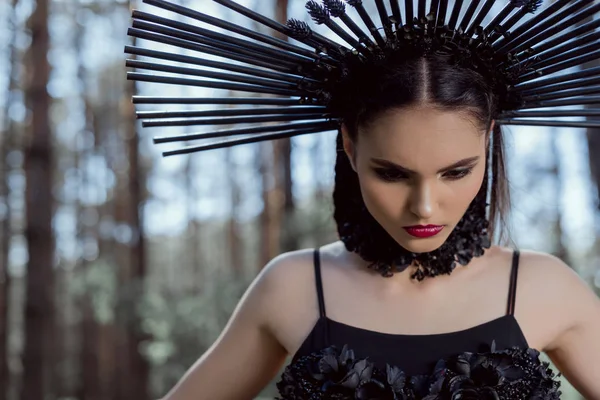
(538, 66)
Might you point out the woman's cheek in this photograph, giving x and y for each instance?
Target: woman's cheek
(384, 199)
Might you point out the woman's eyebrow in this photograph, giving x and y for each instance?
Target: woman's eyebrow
(460, 163)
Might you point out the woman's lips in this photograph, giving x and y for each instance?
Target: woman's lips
(423, 231)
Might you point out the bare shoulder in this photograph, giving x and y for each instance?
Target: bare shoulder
(550, 278)
(283, 279)
(290, 306)
(290, 275)
(551, 298)
(543, 272)
(539, 273)
(286, 267)
(295, 269)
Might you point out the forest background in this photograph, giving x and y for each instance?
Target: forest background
(119, 268)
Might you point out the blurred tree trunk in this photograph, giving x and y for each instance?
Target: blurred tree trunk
(276, 181)
(125, 303)
(133, 369)
(560, 249)
(233, 230)
(593, 139)
(7, 135)
(192, 231)
(269, 231)
(140, 365)
(106, 357)
(39, 308)
(90, 383)
(194, 243)
(5, 281)
(283, 160)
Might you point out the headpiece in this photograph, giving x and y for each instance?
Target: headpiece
(531, 62)
(538, 66)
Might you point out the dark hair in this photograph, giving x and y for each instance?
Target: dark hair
(405, 80)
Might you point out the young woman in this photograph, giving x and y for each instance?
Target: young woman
(411, 178)
(413, 302)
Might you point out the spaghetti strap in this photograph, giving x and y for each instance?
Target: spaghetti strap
(512, 290)
(319, 283)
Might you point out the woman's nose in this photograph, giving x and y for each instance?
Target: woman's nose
(422, 201)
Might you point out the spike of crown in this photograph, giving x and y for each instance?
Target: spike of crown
(317, 12)
(533, 5)
(335, 7)
(299, 29)
(354, 3)
(528, 5)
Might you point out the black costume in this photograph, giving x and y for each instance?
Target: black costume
(487, 361)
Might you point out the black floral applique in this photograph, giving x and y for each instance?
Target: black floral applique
(336, 374)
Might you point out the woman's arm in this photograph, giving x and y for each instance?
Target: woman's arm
(576, 350)
(246, 356)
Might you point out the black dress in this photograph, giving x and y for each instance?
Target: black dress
(488, 361)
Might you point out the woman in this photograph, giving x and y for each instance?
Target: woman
(413, 302)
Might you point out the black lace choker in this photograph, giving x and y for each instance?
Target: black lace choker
(469, 239)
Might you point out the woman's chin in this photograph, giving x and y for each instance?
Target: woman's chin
(422, 245)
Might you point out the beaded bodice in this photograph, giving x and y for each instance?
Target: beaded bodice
(489, 361)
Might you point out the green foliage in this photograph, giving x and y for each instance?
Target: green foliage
(98, 281)
(184, 325)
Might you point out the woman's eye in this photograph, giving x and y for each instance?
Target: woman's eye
(458, 174)
(390, 175)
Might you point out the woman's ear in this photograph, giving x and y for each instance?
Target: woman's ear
(349, 147)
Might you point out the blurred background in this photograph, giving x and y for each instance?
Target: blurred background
(119, 268)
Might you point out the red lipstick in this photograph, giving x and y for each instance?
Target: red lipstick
(424, 231)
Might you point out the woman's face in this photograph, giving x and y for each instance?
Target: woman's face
(419, 166)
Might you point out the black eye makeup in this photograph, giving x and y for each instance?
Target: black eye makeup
(388, 171)
(459, 173)
(395, 175)
(389, 174)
